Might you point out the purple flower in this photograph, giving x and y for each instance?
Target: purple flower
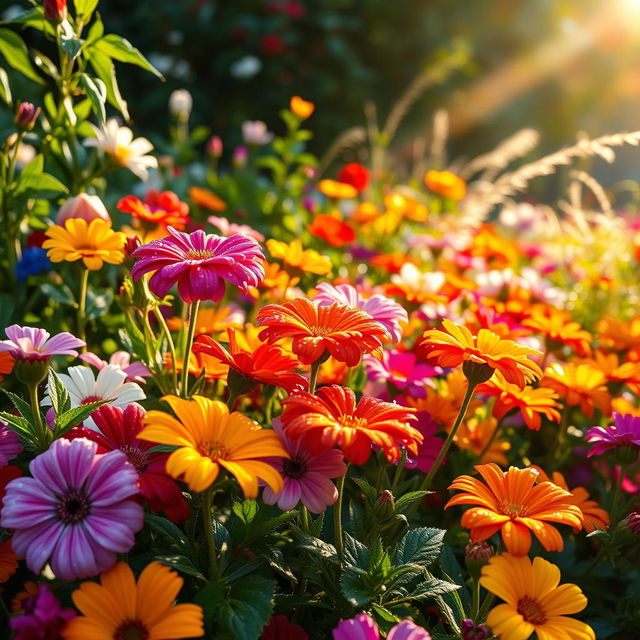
(402, 370)
(199, 264)
(430, 448)
(136, 371)
(42, 619)
(472, 631)
(75, 512)
(408, 630)
(362, 627)
(625, 432)
(31, 343)
(383, 310)
(10, 445)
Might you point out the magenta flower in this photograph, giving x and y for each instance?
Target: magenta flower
(228, 228)
(75, 512)
(136, 371)
(31, 343)
(199, 264)
(10, 445)
(362, 627)
(43, 618)
(401, 369)
(306, 476)
(383, 310)
(430, 448)
(625, 432)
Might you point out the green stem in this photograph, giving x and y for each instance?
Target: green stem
(399, 469)
(232, 399)
(193, 316)
(41, 429)
(313, 377)
(426, 483)
(475, 599)
(82, 307)
(172, 346)
(492, 439)
(208, 533)
(304, 519)
(337, 518)
(617, 493)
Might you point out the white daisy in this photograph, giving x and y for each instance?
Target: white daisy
(118, 142)
(84, 387)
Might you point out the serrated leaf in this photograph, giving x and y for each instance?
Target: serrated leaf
(74, 417)
(96, 91)
(169, 531)
(20, 425)
(15, 52)
(24, 408)
(182, 564)
(355, 553)
(419, 546)
(317, 547)
(118, 48)
(356, 586)
(432, 588)
(58, 394)
(366, 488)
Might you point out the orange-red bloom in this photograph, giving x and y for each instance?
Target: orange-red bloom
(342, 331)
(456, 345)
(558, 329)
(511, 502)
(268, 364)
(206, 199)
(355, 174)
(158, 207)
(336, 189)
(446, 184)
(302, 108)
(6, 363)
(332, 418)
(333, 231)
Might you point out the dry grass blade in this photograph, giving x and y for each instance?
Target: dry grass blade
(596, 188)
(348, 139)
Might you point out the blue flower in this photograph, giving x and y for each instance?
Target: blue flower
(34, 261)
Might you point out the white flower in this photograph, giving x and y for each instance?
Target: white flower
(180, 104)
(118, 142)
(255, 132)
(246, 67)
(84, 387)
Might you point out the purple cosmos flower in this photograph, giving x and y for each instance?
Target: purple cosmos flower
(401, 369)
(430, 448)
(306, 475)
(625, 432)
(136, 371)
(75, 512)
(43, 617)
(10, 445)
(199, 264)
(362, 627)
(383, 310)
(31, 343)
(472, 631)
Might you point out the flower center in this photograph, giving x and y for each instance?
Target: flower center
(131, 630)
(202, 254)
(531, 611)
(512, 510)
(73, 507)
(351, 422)
(295, 468)
(137, 457)
(90, 399)
(213, 450)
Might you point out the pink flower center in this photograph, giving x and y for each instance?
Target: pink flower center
(137, 457)
(73, 507)
(90, 399)
(295, 468)
(202, 254)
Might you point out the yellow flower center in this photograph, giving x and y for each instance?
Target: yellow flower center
(202, 254)
(121, 154)
(213, 450)
(131, 630)
(351, 422)
(512, 510)
(531, 611)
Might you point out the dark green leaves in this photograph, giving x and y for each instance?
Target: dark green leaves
(420, 546)
(119, 48)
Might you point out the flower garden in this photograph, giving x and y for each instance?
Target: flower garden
(251, 393)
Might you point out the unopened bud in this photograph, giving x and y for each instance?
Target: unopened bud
(26, 116)
(131, 244)
(180, 104)
(476, 556)
(239, 158)
(626, 454)
(55, 11)
(384, 505)
(215, 147)
(83, 206)
(472, 631)
(633, 522)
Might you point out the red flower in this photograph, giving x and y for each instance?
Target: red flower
(55, 11)
(158, 207)
(268, 364)
(331, 418)
(119, 430)
(332, 230)
(355, 174)
(279, 628)
(272, 44)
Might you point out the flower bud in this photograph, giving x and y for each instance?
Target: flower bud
(472, 631)
(384, 505)
(633, 522)
(215, 147)
(302, 108)
(32, 371)
(180, 104)
(255, 133)
(131, 244)
(83, 206)
(239, 158)
(55, 11)
(26, 116)
(476, 556)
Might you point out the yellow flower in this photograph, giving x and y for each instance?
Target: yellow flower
(578, 385)
(209, 437)
(534, 600)
(302, 108)
(474, 434)
(336, 189)
(94, 243)
(293, 255)
(446, 184)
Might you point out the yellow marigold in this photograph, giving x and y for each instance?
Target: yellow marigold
(446, 184)
(616, 371)
(94, 243)
(302, 108)
(335, 189)
(578, 385)
(293, 255)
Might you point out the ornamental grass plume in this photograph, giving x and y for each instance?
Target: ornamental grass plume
(199, 264)
(209, 437)
(121, 608)
(534, 600)
(513, 504)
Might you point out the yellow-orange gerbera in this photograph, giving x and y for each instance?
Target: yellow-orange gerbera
(206, 199)
(446, 184)
(616, 371)
(618, 334)
(558, 329)
(120, 608)
(534, 600)
(302, 108)
(409, 208)
(532, 403)
(277, 282)
(595, 517)
(511, 502)
(578, 385)
(293, 255)
(94, 243)
(335, 189)
(338, 329)
(209, 437)
(457, 345)
(474, 434)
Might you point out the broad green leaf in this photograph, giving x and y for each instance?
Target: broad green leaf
(356, 586)
(103, 66)
(406, 500)
(15, 52)
(33, 18)
(35, 167)
(246, 510)
(96, 91)
(60, 399)
(169, 531)
(317, 547)
(119, 48)
(432, 588)
(247, 608)
(85, 8)
(366, 488)
(61, 294)
(73, 417)
(72, 46)
(182, 564)
(39, 186)
(420, 546)
(24, 408)
(355, 553)
(96, 30)
(5, 87)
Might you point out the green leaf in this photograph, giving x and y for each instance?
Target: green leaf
(119, 48)
(366, 488)
(33, 18)
(18, 424)
(355, 553)
(406, 500)
(182, 564)
(247, 608)
(96, 91)
(420, 546)
(317, 547)
(39, 186)
(103, 66)
(61, 294)
(85, 8)
(58, 394)
(356, 586)
(5, 87)
(432, 588)
(98, 302)
(96, 30)
(246, 510)
(169, 531)
(15, 52)
(24, 408)
(71, 46)
(45, 65)
(73, 417)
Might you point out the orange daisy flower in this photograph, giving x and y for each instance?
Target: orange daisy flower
(511, 502)
(618, 334)
(558, 329)
(342, 331)
(446, 184)
(206, 199)
(456, 345)
(532, 403)
(578, 385)
(6, 363)
(293, 255)
(332, 418)
(391, 262)
(158, 207)
(474, 434)
(335, 189)
(497, 251)
(268, 364)
(332, 230)
(200, 364)
(302, 108)
(615, 371)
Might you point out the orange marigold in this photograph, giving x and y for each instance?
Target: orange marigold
(446, 184)
(511, 502)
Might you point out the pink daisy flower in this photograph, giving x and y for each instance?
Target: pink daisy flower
(625, 432)
(136, 371)
(402, 370)
(75, 512)
(228, 228)
(31, 343)
(307, 476)
(383, 310)
(10, 445)
(362, 627)
(199, 264)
